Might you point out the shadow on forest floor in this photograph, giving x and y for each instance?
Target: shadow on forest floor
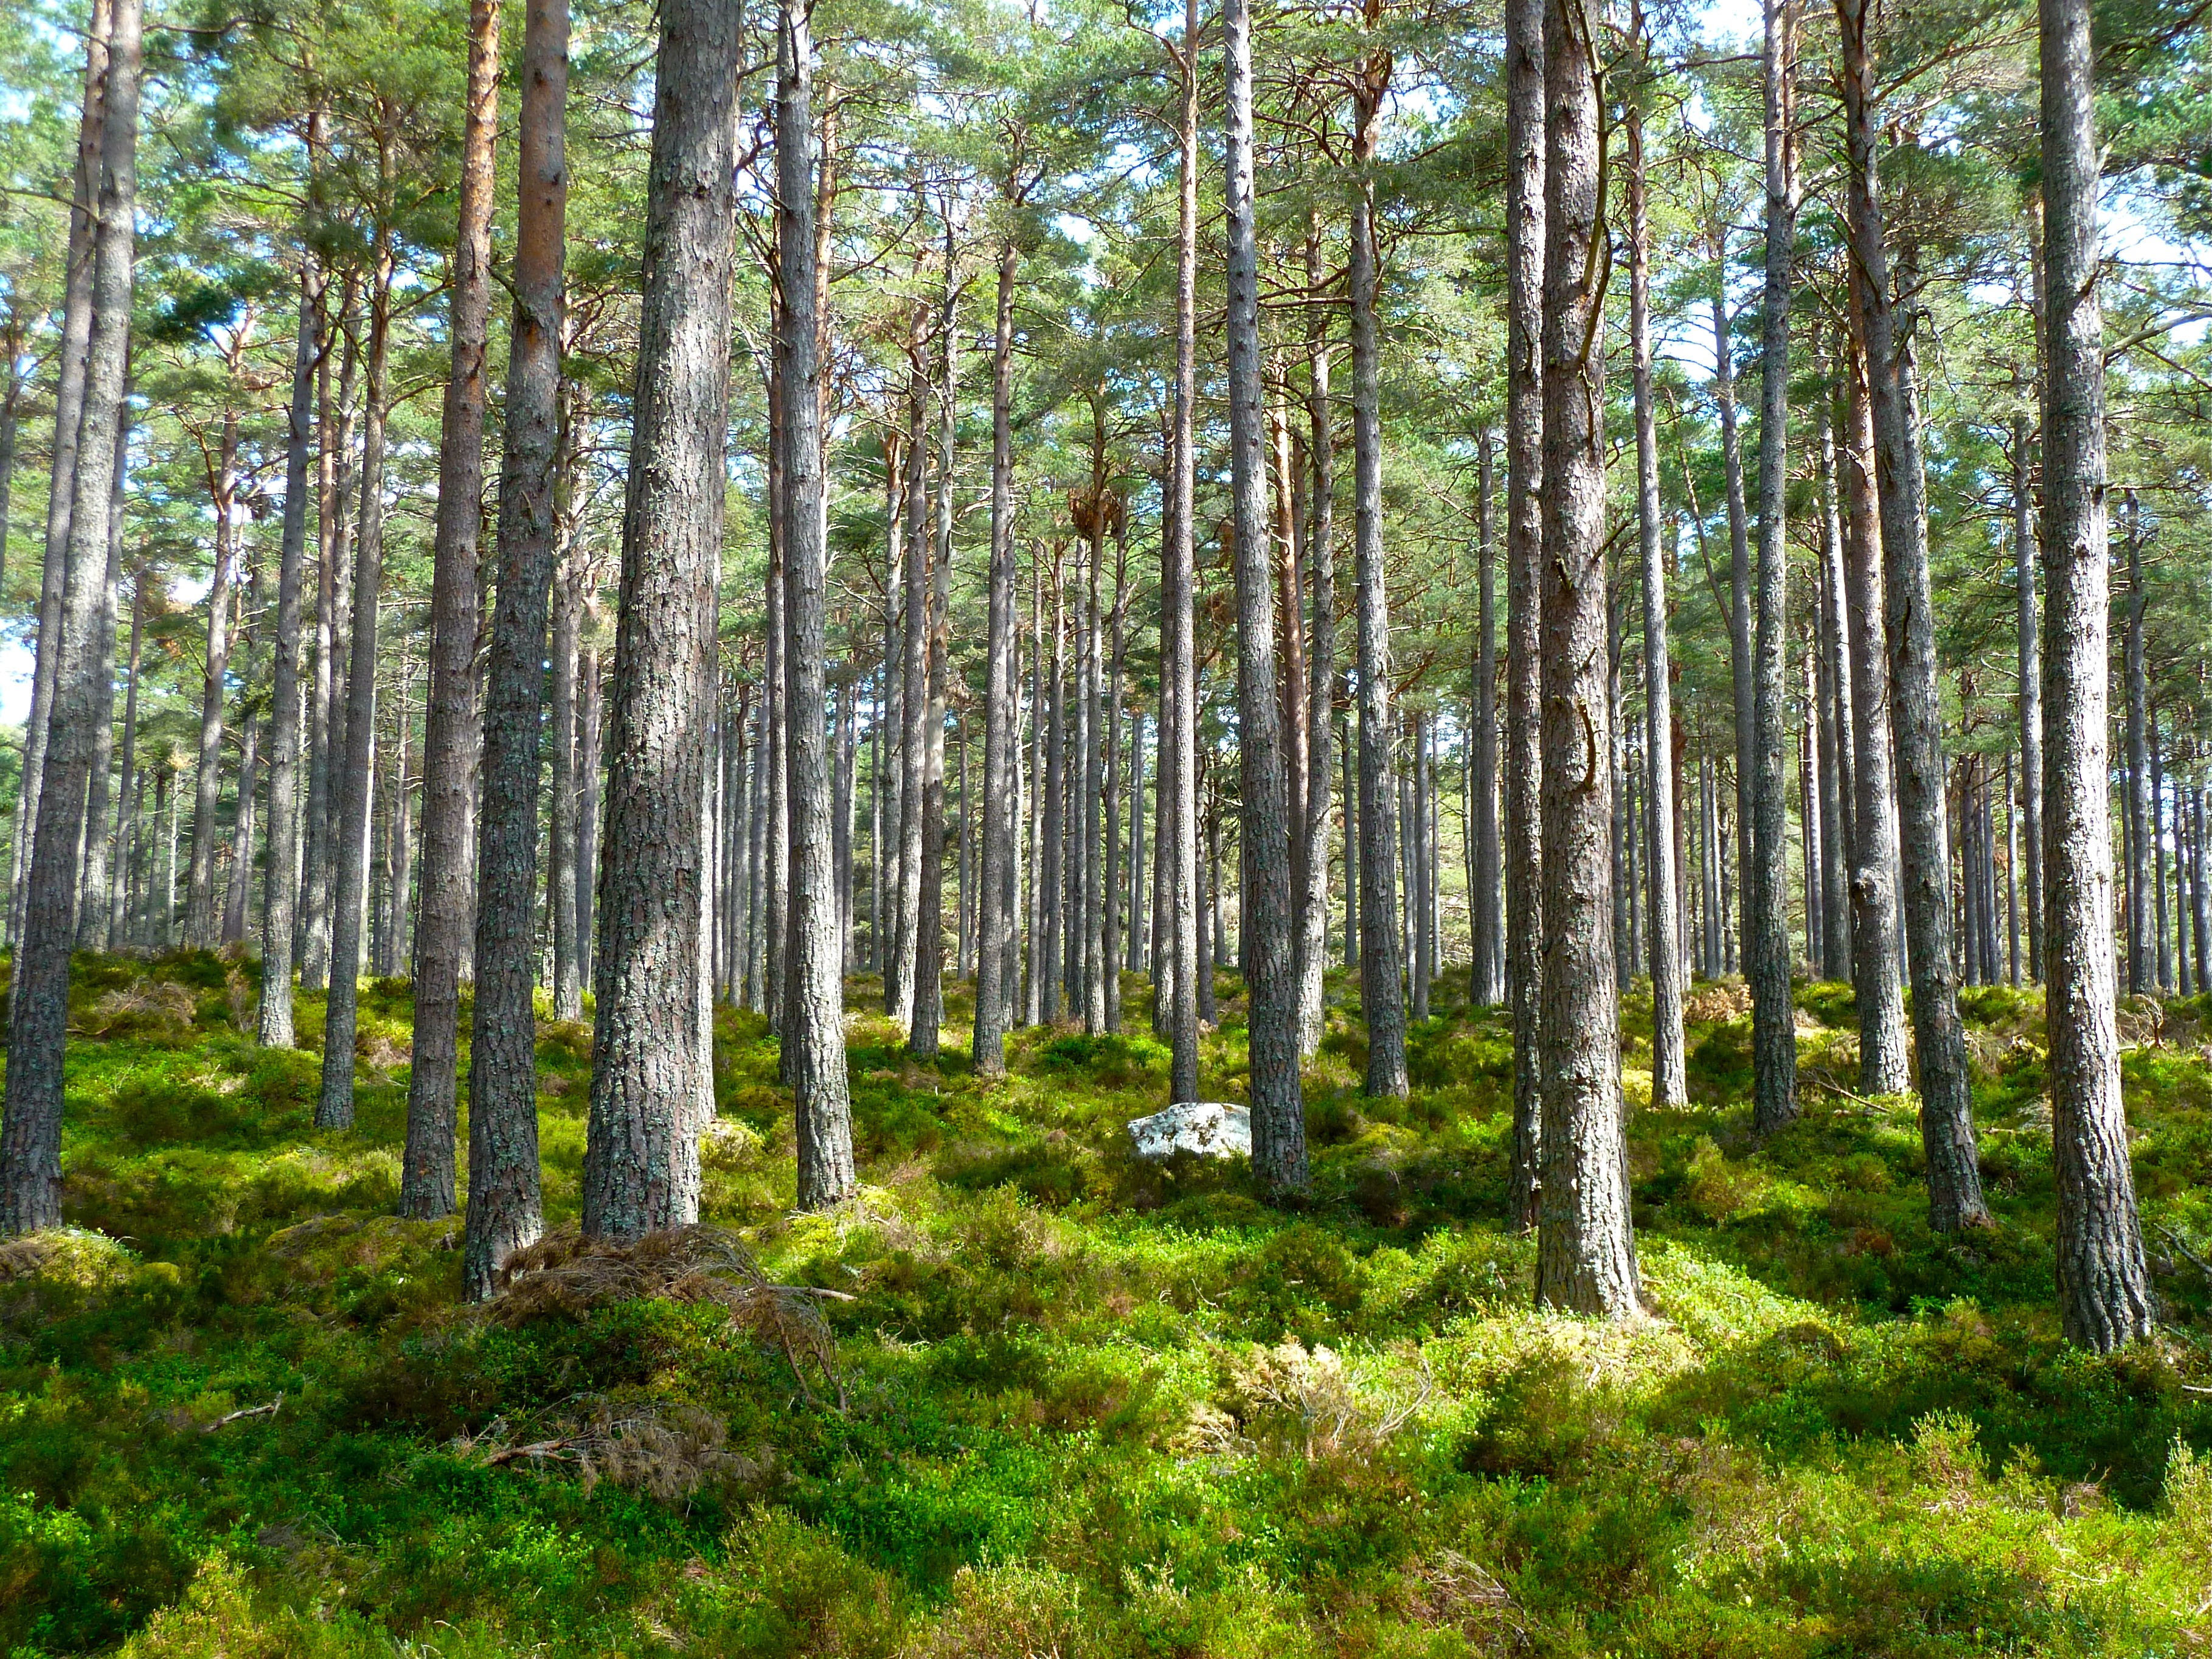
(1093, 1407)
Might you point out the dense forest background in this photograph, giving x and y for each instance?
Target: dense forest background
(666, 658)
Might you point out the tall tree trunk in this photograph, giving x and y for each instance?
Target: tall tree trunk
(1320, 561)
(640, 1154)
(814, 1027)
(1525, 234)
(280, 896)
(1766, 885)
(1947, 1122)
(588, 729)
(129, 785)
(1670, 1087)
(929, 954)
(1585, 1250)
(1178, 771)
(73, 357)
(1380, 992)
(1485, 923)
(2104, 1295)
(241, 829)
(906, 934)
(1837, 724)
(506, 1210)
(560, 841)
(38, 1004)
(2138, 771)
(92, 917)
(200, 919)
(1109, 880)
(353, 773)
(2030, 688)
(334, 441)
(1279, 1130)
(1878, 970)
(450, 728)
(1739, 616)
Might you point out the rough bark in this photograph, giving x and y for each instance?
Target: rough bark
(280, 895)
(506, 1211)
(1585, 1249)
(1878, 966)
(640, 1154)
(2104, 1295)
(352, 766)
(1178, 771)
(200, 918)
(2031, 687)
(1837, 722)
(928, 1013)
(38, 1004)
(1318, 534)
(996, 962)
(1485, 919)
(899, 982)
(1278, 1133)
(1380, 969)
(1669, 1085)
(814, 1027)
(1765, 906)
(1739, 616)
(1525, 209)
(91, 914)
(450, 718)
(1947, 1122)
(72, 357)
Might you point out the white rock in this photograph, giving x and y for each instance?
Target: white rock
(1207, 1129)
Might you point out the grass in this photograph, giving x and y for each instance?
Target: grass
(1092, 1407)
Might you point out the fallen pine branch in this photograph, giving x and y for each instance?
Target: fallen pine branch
(229, 1418)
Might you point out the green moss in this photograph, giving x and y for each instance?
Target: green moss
(1090, 1406)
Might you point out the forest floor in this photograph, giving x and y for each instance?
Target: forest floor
(1078, 1405)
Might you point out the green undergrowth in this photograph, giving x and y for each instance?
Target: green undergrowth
(1078, 1406)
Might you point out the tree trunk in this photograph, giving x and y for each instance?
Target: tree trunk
(1485, 925)
(1947, 1122)
(1525, 210)
(1878, 966)
(91, 914)
(1837, 724)
(1669, 1085)
(506, 1211)
(568, 604)
(37, 1010)
(201, 922)
(1001, 699)
(1319, 559)
(1739, 617)
(2138, 769)
(450, 731)
(354, 773)
(899, 983)
(280, 895)
(334, 442)
(1766, 885)
(814, 1027)
(929, 954)
(1265, 904)
(1382, 996)
(1585, 1251)
(1109, 882)
(2030, 688)
(2104, 1294)
(73, 357)
(640, 1154)
(129, 785)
